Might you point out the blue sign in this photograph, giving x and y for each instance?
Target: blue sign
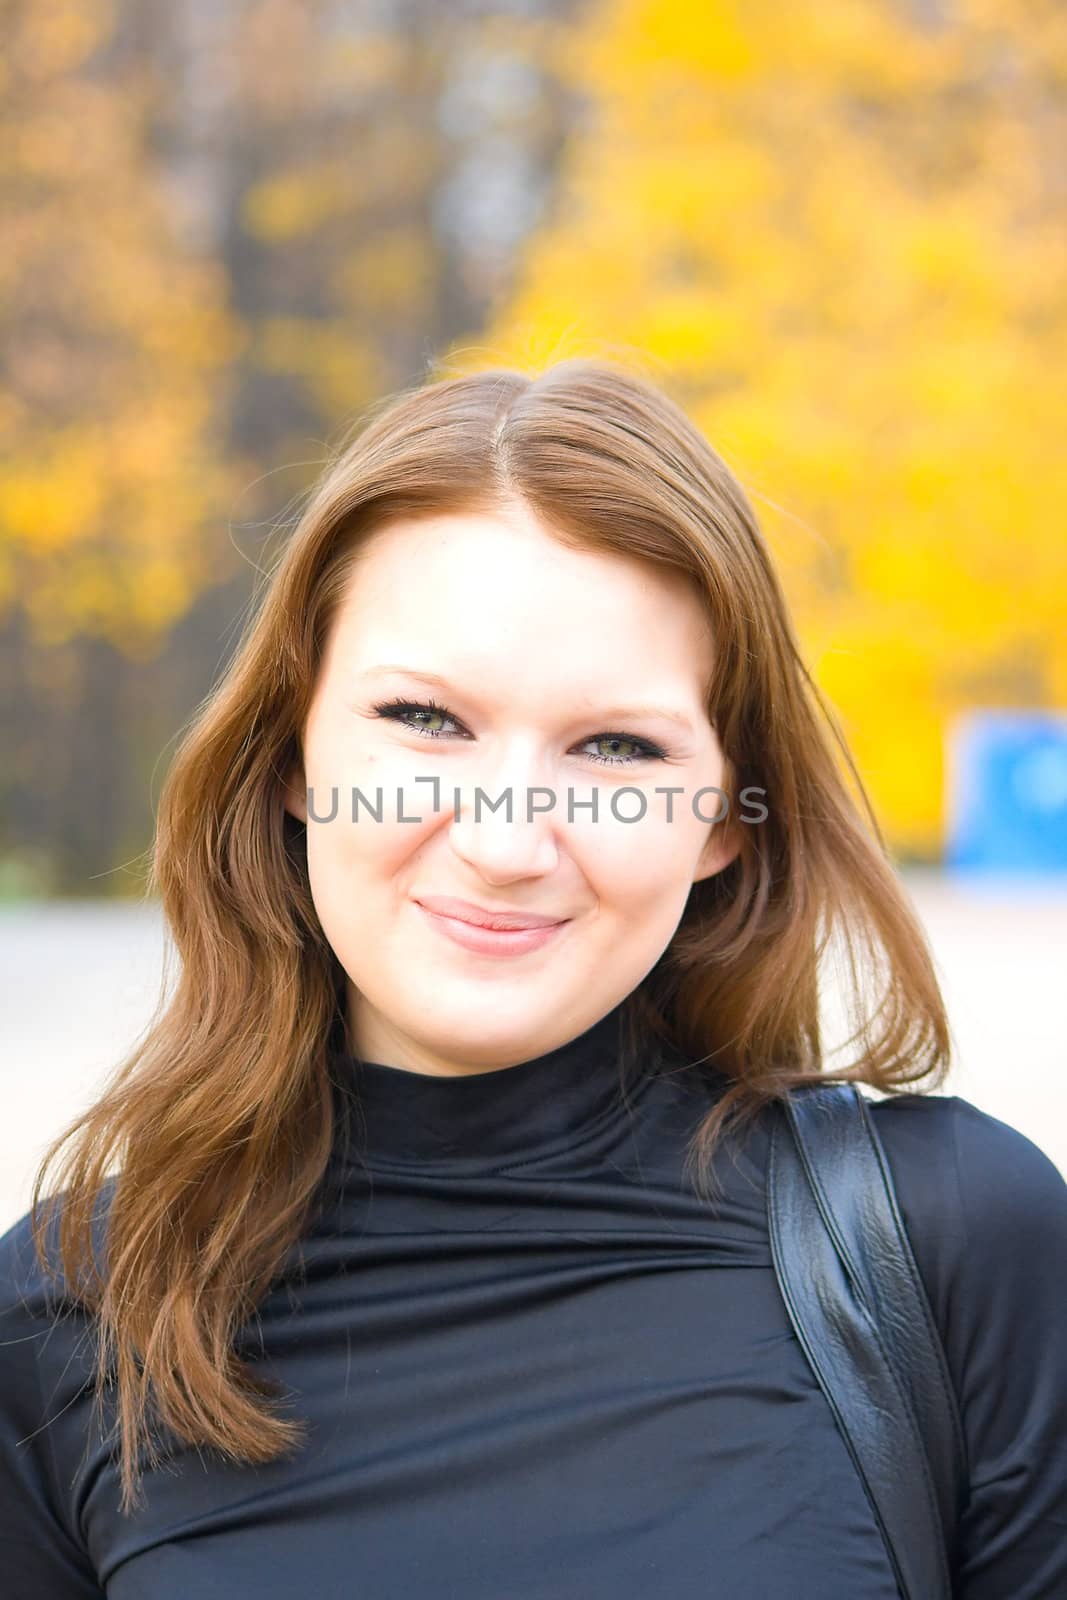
(1007, 791)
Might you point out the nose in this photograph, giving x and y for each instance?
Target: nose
(501, 836)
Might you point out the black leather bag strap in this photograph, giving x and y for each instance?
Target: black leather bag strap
(860, 1310)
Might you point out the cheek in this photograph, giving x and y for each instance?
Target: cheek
(647, 851)
(642, 882)
(342, 855)
(643, 871)
(355, 872)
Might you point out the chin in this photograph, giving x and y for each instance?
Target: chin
(481, 1037)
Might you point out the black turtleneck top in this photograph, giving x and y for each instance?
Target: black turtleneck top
(536, 1366)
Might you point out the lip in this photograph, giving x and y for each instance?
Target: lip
(485, 941)
(444, 905)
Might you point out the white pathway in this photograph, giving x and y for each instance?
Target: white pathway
(80, 979)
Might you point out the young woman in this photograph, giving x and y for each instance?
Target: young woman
(420, 1248)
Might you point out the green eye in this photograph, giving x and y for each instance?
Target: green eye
(400, 710)
(615, 759)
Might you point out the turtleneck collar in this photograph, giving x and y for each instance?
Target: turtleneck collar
(531, 1109)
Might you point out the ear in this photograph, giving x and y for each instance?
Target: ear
(294, 794)
(723, 845)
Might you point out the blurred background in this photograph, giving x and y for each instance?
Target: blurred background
(835, 233)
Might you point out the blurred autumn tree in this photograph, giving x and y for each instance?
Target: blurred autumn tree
(112, 343)
(112, 340)
(836, 233)
(229, 224)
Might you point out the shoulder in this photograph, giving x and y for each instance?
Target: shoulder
(27, 1313)
(986, 1213)
(31, 1304)
(969, 1169)
(984, 1207)
(23, 1281)
(45, 1367)
(35, 1299)
(47, 1345)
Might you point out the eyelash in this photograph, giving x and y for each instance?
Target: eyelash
(392, 709)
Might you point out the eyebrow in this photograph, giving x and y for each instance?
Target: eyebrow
(439, 682)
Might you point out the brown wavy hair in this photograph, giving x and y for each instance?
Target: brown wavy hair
(223, 1118)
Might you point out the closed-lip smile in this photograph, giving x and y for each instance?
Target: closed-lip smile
(482, 917)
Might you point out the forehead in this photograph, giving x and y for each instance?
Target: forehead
(477, 587)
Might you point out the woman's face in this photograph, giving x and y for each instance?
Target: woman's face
(552, 674)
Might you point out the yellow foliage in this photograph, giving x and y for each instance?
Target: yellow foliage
(58, 37)
(115, 339)
(334, 363)
(288, 205)
(836, 231)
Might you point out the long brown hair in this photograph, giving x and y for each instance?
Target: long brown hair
(224, 1117)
